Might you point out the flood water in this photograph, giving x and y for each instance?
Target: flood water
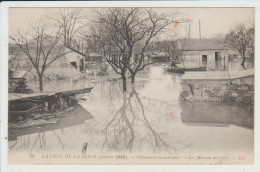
(148, 118)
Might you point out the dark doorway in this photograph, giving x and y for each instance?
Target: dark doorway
(217, 61)
(204, 60)
(216, 56)
(81, 67)
(74, 64)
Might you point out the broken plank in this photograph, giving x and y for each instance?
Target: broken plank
(19, 96)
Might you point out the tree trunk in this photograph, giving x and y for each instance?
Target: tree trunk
(243, 64)
(132, 78)
(40, 81)
(124, 81)
(252, 61)
(243, 60)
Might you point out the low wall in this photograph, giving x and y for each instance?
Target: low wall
(229, 87)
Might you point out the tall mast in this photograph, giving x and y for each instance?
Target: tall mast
(189, 29)
(186, 32)
(199, 29)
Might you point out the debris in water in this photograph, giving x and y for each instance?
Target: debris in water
(31, 122)
(52, 115)
(85, 147)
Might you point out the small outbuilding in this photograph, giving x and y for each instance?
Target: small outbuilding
(75, 59)
(209, 53)
(93, 58)
(17, 82)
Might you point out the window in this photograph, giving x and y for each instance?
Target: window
(204, 58)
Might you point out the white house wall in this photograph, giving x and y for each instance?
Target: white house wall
(194, 58)
(74, 57)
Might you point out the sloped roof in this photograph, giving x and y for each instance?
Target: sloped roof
(201, 44)
(11, 57)
(17, 74)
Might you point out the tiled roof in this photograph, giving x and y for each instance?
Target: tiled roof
(201, 44)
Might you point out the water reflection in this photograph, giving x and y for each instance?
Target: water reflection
(149, 118)
(215, 114)
(76, 117)
(124, 128)
(34, 138)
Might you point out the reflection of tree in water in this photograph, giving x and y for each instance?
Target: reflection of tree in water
(123, 132)
(28, 143)
(37, 141)
(136, 123)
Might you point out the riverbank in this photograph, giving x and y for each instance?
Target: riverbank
(235, 88)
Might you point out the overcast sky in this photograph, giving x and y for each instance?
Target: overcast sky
(213, 20)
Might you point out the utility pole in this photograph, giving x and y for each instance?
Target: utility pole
(189, 29)
(186, 32)
(199, 29)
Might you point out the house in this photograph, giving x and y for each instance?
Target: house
(71, 60)
(13, 64)
(158, 56)
(93, 57)
(17, 82)
(75, 59)
(209, 53)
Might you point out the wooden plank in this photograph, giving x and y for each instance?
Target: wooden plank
(77, 91)
(19, 96)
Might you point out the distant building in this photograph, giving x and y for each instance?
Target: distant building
(209, 53)
(93, 57)
(158, 56)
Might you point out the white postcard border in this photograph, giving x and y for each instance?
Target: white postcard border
(179, 168)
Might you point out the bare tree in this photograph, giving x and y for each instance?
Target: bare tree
(172, 49)
(251, 45)
(40, 46)
(127, 32)
(69, 22)
(108, 34)
(74, 30)
(240, 37)
(141, 28)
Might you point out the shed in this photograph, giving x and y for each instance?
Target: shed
(75, 58)
(210, 53)
(17, 74)
(94, 57)
(17, 82)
